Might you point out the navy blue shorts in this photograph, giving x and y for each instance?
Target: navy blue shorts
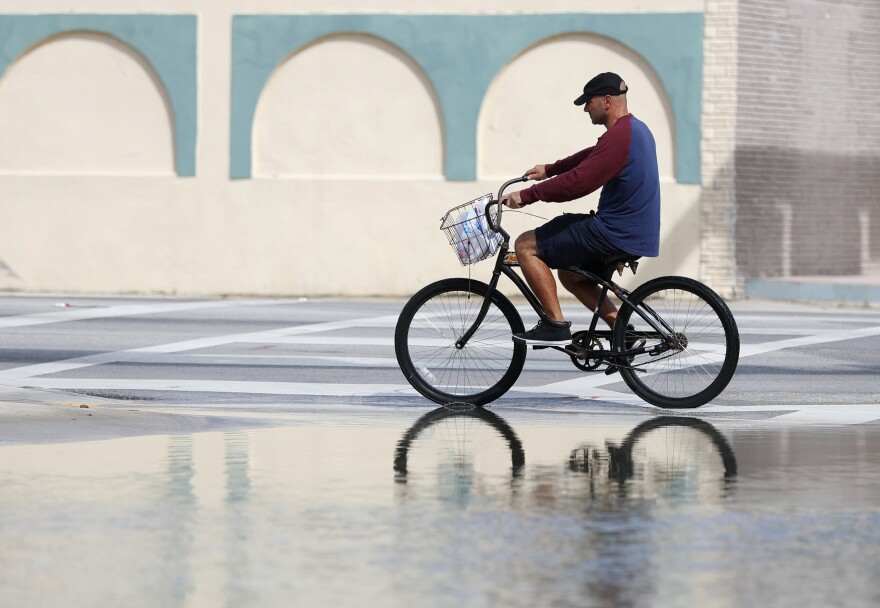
(573, 240)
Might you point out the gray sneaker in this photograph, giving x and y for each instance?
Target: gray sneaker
(546, 333)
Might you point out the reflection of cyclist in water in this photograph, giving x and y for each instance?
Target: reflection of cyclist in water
(624, 164)
(616, 463)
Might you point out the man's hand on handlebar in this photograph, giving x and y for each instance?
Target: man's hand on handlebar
(537, 173)
(513, 200)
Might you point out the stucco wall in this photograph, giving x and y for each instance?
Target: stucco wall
(347, 143)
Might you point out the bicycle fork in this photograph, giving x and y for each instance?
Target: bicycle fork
(493, 285)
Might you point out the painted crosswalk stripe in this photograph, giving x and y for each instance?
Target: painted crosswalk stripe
(126, 310)
(55, 367)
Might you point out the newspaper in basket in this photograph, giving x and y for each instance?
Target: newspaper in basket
(469, 232)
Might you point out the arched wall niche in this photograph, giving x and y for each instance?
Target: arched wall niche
(348, 105)
(528, 116)
(84, 102)
(165, 43)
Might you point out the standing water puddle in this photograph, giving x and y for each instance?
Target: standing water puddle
(452, 507)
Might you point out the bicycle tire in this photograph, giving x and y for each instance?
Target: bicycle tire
(705, 358)
(480, 372)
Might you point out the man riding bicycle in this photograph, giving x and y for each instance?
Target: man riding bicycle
(624, 164)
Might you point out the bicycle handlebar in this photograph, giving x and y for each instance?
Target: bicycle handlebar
(496, 226)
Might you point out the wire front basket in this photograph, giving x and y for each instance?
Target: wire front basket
(468, 231)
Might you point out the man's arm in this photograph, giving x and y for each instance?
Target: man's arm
(569, 163)
(598, 166)
(539, 173)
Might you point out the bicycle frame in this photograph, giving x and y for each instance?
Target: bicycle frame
(664, 332)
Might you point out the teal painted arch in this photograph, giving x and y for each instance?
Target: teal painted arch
(166, 42)
(461, 55)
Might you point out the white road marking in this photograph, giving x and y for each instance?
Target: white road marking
(844, 413)
(267, 360)
(748, 350)
(125, 310)
(292, 361)
(55, 367)
(220, 386)
(833, 414)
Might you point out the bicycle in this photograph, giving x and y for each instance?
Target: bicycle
(675, 342)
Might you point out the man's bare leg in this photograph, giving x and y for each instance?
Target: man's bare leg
(538, 275)
(588, 294)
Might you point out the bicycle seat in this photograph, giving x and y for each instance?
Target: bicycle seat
(618, 258)
(605, 267)
(619, 261)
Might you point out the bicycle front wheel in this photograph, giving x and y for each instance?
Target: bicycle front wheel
(435, 318)
(694, 358)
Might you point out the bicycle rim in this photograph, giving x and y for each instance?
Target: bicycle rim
(698, 363)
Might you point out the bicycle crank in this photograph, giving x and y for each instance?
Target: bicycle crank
(584, 356)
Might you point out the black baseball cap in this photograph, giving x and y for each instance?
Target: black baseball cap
(606, 83)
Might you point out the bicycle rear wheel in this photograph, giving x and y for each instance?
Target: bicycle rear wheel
(428, 328)
(692, 363)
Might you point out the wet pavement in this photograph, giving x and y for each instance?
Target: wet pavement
(269, 453)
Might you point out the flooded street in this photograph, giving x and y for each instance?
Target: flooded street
(449, 507)
(169, 452)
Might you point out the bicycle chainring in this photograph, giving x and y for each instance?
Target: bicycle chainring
(590, 354)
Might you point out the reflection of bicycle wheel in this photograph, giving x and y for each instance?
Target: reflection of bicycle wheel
(451, 439)
(666, 457)
(671, 456)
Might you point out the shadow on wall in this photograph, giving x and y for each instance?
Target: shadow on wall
(84, 102)
(5, 271)
(804, 214)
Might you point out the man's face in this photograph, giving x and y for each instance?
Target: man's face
(595, 107)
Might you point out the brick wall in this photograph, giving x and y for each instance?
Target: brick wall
(807, 157)
(717, 208)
